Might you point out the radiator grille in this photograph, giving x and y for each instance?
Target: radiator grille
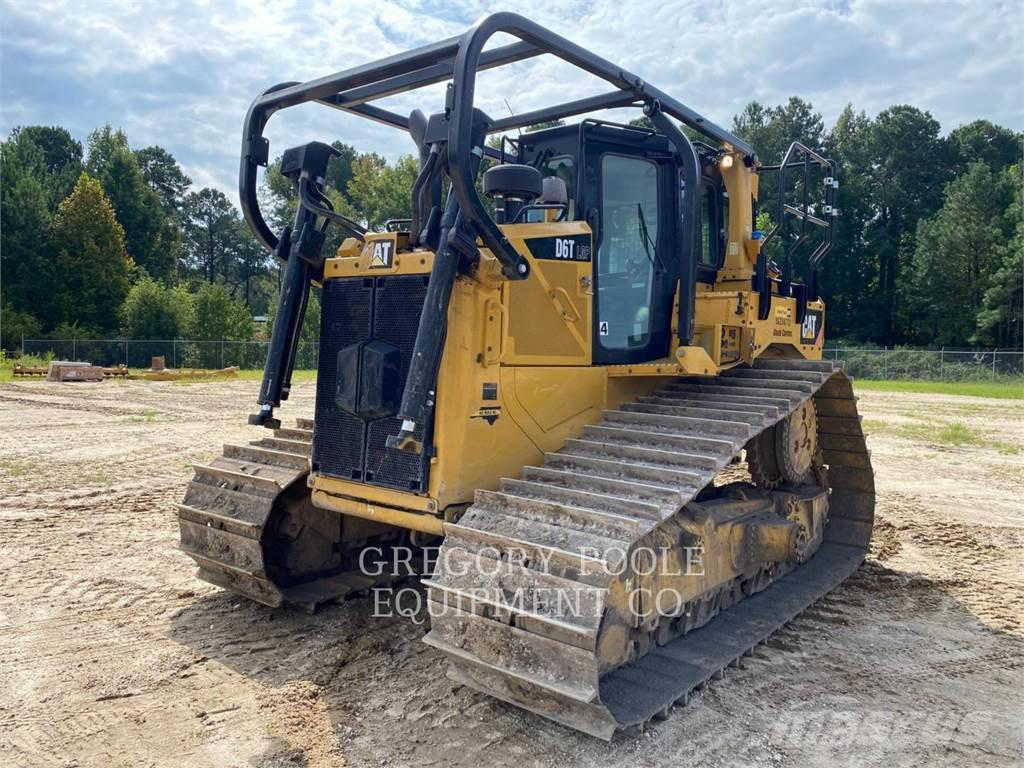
(344, 446)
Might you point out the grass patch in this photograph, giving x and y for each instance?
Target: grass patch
(305, 375)
(874, 426)
(954, 434)
(997, 390)
(18, 467)
(148, 415)
(33, 361)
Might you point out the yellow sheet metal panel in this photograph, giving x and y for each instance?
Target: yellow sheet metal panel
(379, 513)
(554, 400)
(685, 361)
(476, 442)
(381, 254)
(372, 493)
(549, 315)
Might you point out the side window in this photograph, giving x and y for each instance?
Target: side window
(626, 255)
(709, 230)
(714, 223)
(724, 202)
(564, 168)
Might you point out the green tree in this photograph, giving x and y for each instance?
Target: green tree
(380, 191)
(103, 144)
(209, 222)
(153, 310)
(1001, 319)
(38, 168)
(150, 234)
(163, 174)
(770, 130)
(60, 162)
(981, 140)
(93, 268)
(26, 265)
(909, 169)
(340, 169)
(250, 261)
(849, 278)
(957, 253)
(219, 316)
(15, 326)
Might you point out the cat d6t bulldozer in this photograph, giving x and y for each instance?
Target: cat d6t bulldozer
(554, 370)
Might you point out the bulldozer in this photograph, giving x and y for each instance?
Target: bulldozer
(578, 371)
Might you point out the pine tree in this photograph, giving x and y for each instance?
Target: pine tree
(92, 266)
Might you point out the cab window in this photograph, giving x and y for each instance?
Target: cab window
(627, 255)
(563, 167)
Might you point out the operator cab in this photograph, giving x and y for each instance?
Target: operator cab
(627, 184)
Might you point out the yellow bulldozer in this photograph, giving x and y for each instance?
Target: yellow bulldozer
(553, 372)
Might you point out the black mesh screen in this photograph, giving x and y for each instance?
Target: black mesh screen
(396, 317)
(339, 437)
(343, 445)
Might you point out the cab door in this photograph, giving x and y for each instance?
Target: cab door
(631, 190)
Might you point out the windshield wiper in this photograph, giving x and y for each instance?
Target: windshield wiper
(650, 247)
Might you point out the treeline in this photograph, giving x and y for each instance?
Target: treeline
(106, 240)
(110, 240)
(929, 244)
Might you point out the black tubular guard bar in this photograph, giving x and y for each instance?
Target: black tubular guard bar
(458, 58)
(803, 214)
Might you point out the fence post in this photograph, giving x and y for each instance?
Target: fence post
(885, 363)
(994, 351)
(174, 352)
(74, 349)
(222, 353)
(126, 351)
(942, 363)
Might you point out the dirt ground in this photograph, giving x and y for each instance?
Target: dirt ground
(113, 654)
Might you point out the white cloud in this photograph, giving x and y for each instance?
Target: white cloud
(182, 74)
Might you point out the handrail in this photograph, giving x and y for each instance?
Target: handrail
(808, 291)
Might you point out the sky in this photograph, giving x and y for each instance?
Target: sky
(182, 74)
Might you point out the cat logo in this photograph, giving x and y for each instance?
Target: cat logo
(811, 327)
(381, 257)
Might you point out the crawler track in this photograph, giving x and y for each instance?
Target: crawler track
(246, 511)
(623, 481)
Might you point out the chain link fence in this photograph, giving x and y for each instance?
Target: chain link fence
(177, 353)
(931, 364)
(862, 363)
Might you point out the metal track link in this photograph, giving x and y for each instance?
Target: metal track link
(229, 507)
(622, 480)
